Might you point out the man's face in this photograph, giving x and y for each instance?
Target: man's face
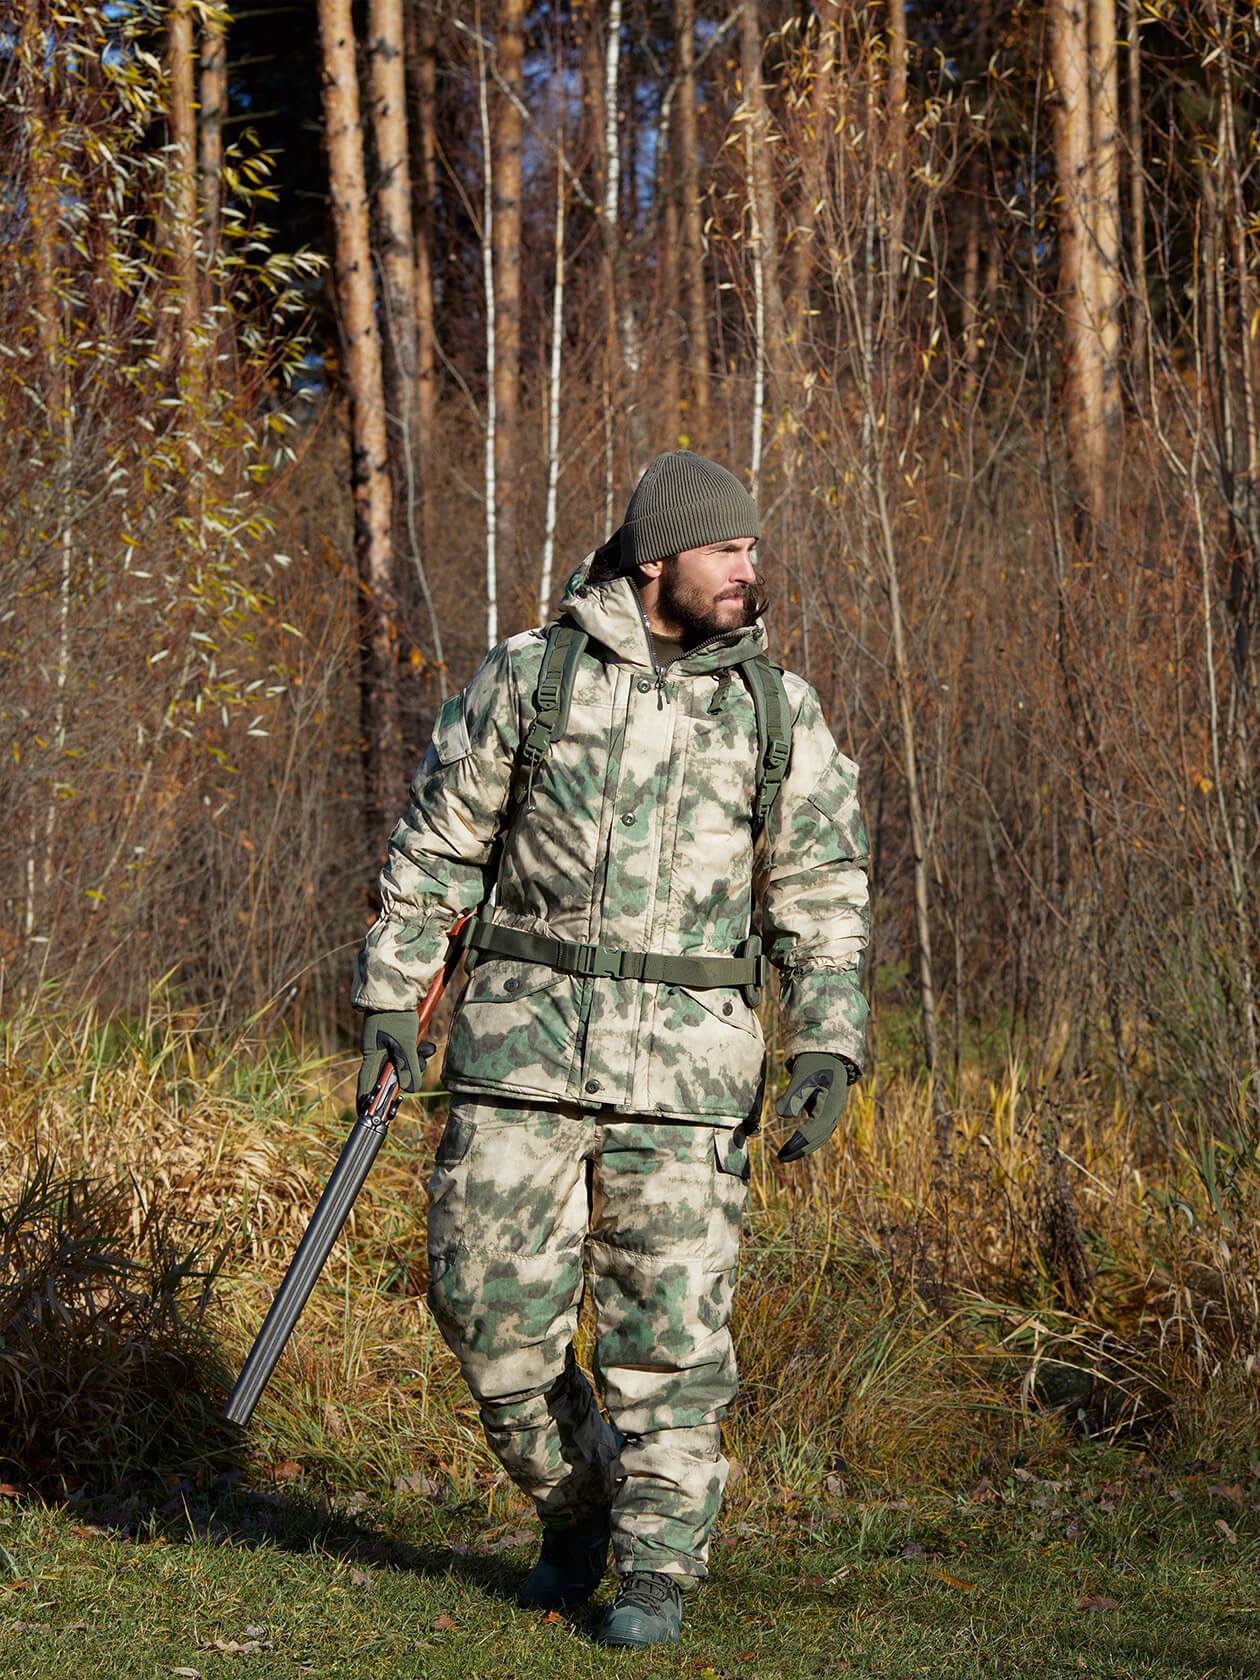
(704, 591)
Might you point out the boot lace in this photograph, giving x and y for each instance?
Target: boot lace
(647, 1588)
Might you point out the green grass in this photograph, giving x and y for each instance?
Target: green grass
(1102, 1565)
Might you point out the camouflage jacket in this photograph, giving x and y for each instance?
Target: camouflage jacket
(636, 833)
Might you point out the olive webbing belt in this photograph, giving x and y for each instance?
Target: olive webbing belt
(607, 961)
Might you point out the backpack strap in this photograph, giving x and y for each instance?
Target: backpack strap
(774, 733)
(565, 644)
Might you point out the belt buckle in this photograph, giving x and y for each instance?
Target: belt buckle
(605, 962)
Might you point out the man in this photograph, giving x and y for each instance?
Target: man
(605, 1059)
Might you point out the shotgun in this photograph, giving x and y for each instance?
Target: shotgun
(331, 1212)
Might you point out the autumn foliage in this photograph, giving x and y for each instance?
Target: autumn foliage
(996, 392)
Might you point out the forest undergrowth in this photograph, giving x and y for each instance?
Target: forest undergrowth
(902, 1320)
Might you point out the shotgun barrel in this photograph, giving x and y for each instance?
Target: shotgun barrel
(331, 1212)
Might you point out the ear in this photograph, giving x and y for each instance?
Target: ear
(651, 569)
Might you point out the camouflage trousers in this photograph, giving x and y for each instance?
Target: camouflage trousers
(517, 1198)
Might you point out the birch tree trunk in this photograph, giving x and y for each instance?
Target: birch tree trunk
(492, 335)
(671, 339)
(399, 310)
(691, 235)
(396, 253)
(422, 66)
(507, 267)
(553, 391)
(611, 205)
(771, 333)
(369, 449)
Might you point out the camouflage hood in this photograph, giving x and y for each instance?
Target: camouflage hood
(612, 615)
(637, 834)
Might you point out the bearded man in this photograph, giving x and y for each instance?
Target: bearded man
(636, 823)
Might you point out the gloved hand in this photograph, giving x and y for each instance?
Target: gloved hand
(392, 1034)
(818, 1089)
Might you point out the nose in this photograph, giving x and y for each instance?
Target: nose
(743, 569)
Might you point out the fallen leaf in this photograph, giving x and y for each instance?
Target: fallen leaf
(444, 1622)
(1234, 1494)
(287, 1470)
(911, 1549)
(85, 1531)
(1023, 1475)
(360, 1578)
(511, 1540)
(982, 1493)
(553, 1616)
(8, 1491)
(953, 1580)
(1227, 1531)
(417, 1483)
(1099, 1603)
(187, 1673)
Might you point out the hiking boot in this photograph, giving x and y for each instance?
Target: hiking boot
(571, 1564)
(646, 1611)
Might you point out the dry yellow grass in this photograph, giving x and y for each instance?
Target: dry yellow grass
(897, 1316)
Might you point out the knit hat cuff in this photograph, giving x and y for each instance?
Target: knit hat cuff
(684, 501)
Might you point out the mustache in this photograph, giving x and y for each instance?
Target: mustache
(755, 601)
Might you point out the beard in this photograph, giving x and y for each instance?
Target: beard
(701, 615)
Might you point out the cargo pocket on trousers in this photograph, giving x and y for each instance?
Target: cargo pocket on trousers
(456, 1140)
(443, 1221)
(730, 1150)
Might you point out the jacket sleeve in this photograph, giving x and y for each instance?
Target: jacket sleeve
(814, 896)
(442, 852)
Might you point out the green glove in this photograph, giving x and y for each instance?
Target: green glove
(391, 1034)
(818, 1090)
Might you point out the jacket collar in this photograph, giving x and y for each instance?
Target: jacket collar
(612, 614)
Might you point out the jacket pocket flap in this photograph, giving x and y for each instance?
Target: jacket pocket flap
(724, 1005)
(503, 979)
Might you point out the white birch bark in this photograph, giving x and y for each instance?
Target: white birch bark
(553, 395)
(487, 269)
(609, 209)
(759, 316)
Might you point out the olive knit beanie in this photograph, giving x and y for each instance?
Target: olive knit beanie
(684, 501)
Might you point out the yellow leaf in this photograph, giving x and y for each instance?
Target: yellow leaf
(953, 1580)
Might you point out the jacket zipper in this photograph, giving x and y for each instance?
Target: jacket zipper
(710, 641)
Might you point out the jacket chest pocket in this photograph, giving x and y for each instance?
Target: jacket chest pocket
(719, 776)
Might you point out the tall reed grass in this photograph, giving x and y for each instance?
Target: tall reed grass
(898, 1317)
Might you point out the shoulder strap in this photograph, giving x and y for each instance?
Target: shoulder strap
(774, 733)
(565, 643)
